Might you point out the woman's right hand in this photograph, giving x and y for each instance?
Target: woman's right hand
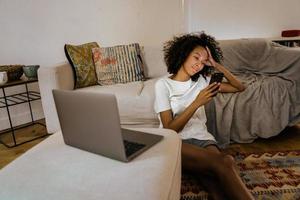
(207, 94)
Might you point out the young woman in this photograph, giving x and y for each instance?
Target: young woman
(180, 100)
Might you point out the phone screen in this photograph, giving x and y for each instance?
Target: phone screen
(216, 77)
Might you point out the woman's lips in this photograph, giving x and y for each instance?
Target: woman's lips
(195, 69)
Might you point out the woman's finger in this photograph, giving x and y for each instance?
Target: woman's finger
(214, 93)
(208, 51)
(214, 87)
(211, 85)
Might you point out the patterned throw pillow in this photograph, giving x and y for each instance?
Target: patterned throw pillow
(81, 60)
(118, 64)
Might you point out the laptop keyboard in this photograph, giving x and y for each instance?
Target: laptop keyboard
(132, 147)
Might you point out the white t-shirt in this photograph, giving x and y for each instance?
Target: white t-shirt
(177, 96)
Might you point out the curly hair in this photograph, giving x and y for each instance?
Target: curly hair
(178, 49)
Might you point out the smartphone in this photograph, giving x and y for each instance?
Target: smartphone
(216, 77)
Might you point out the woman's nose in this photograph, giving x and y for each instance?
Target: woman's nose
(199, 65)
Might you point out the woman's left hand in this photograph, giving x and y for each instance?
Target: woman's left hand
(210, 60)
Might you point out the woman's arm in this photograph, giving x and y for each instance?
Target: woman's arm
(233, 85)
(178, 123)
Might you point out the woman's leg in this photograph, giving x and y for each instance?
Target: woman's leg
(211, 185)
(209, 160)
(209, 181)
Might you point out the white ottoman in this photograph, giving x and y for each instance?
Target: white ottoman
(53, 170)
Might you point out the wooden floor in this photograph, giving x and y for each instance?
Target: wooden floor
(289, 139)
(9, 154)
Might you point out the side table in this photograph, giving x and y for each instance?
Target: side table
(15, 99)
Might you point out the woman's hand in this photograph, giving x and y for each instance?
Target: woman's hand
(177, 123)
(233, 85)
(207, 94)
(210, 60)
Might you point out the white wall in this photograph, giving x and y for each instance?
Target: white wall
(228, 19)
(35, 31)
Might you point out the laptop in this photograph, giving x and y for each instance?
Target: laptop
(91, 122)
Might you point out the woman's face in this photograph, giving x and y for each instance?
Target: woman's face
(195, 61)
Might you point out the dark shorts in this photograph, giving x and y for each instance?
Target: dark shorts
(200, 143)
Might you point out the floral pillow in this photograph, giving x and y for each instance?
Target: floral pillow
(81, 60)
(118, 64)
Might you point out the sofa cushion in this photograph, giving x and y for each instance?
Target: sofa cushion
(135, 101)
(118, 64)
(80, 58)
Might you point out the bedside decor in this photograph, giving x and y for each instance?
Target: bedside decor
(30, 71)
(14, 72)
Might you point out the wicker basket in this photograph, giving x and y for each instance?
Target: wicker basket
(14, 72)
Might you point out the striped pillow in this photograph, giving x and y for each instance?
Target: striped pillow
(118, 64)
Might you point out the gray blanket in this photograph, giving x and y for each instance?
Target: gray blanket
(272, 99)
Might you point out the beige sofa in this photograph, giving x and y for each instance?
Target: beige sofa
(53, 170)
(270, 72)
(135, 99)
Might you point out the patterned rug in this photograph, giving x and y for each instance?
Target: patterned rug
(269, 176)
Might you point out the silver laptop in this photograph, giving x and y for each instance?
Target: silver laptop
(91, 122)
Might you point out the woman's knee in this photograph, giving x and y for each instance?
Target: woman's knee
(227, 161)
(205, 160)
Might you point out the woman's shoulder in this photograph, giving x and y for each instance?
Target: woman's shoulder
(163, 80)
(160, 80)
(162, 86)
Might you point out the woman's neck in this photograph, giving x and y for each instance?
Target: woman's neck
(181, 75)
